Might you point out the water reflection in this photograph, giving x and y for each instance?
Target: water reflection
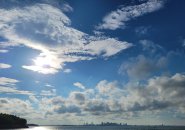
(37, 128)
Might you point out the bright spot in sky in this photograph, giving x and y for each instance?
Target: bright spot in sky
(42, 61)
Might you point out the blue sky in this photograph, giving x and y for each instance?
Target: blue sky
(70, 62)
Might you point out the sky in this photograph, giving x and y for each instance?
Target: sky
(76, 61)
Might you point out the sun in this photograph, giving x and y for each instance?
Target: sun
(42, 61)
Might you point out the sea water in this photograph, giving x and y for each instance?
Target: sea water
(106, 128)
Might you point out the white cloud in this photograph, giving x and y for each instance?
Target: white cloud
(67, 8)
(106, 47)
(50, 92)
(17, 107)
(33, 98)
(106, 87)
(3, 51)
(117, 19)
(67, 70)
(4, 66)
(150, 46)
(79, 85)
(47, 29)
(7, 86)
(142, 30)
(158, 95)
(8, 81)
(13, 90)
(49, 85)
(142, 67)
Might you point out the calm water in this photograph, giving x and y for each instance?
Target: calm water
(105, 128)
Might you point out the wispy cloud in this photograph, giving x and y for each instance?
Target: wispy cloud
(79, 85)
(46, 28)
(67, 70)
(3, 51)
(183, 43)
(117, 19)
(7, 86)
(13, 90)
(4, 66)
(8, 81)
(67, 8)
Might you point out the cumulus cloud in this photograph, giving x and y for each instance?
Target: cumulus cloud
(47, 29)
(33, 99)
(107, 88)
(157, 95)
(4, 66)
(16, 106)
(117, 19)
(160, 93)
(141, 66)
(79, 85)
(78, 97)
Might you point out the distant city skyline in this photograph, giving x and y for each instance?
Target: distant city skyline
(75, 61)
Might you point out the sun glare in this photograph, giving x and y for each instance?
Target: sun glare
(42, 61)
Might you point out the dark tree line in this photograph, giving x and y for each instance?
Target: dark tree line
(11, 121)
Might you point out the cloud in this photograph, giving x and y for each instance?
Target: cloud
(49, 85)
(7, 86)
(105, 87)
(183, 43)
(158, 95)
(13, 90)
(67, 70)
(33, 99)
(79, 85)
(142, 30)
(8, 81)
(97, 107)
(67, 109)
(3, 51)
(16, 106)
(47, 29)
(77, 97)
(50, 92)
(67, 8)
(150, 46)
(117, 19)
(142, 67)
(4, 66)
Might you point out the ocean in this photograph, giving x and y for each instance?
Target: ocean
(106, 128)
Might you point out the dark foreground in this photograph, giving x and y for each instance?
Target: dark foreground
(10, 121)
(106, 128)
